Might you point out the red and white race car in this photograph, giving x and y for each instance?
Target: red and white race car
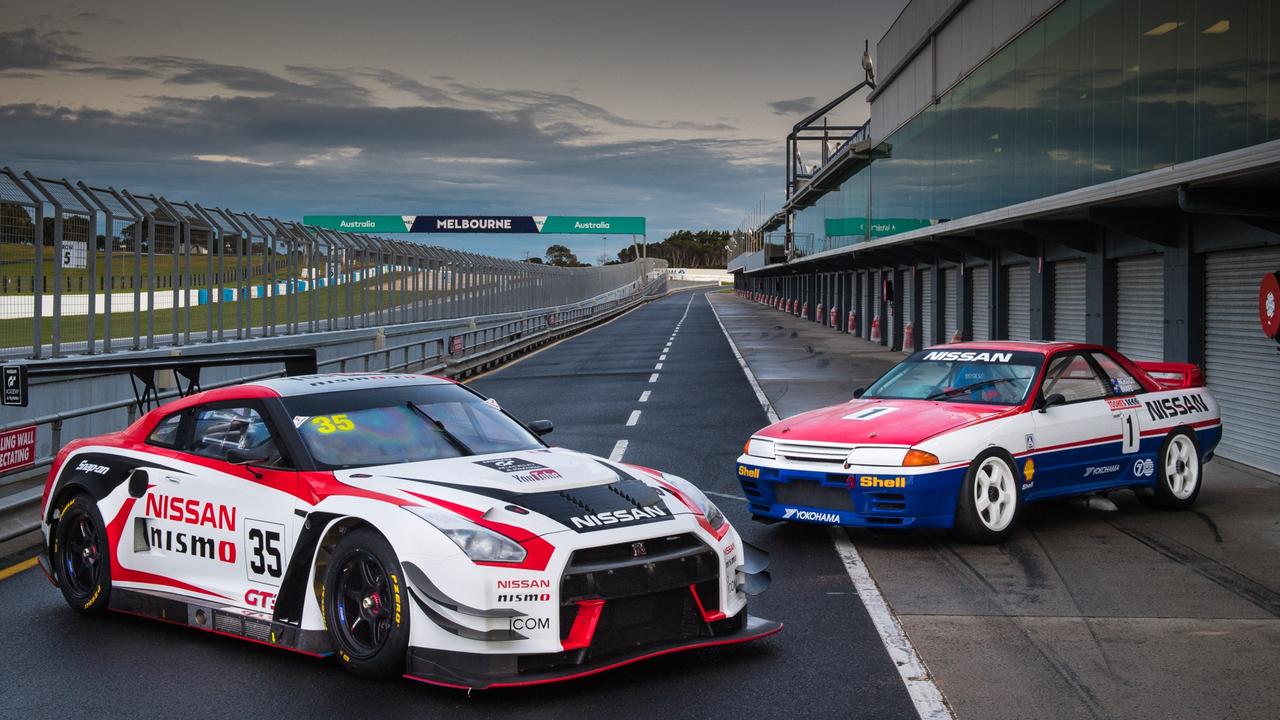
(404, 523)
(963, 435)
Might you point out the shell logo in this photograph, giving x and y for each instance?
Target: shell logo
(1029, 471)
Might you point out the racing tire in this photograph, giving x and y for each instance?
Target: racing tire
(366, 606)
(990, 499)
(1179, 470)
(82, 556)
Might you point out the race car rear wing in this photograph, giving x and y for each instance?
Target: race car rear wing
(1174, 376)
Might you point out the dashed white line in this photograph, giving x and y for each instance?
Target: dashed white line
(653, 378)
(658, 366)
(618, 450)
(668, 347)
(923, 691)
(728, 496)
(663, 356)
(635, 418)
(644, 396)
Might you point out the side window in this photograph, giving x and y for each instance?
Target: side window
(1122, 383)
(221, 429)
(1074, 377)
(166, 432)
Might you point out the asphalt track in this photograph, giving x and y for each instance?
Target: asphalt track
(828, 662)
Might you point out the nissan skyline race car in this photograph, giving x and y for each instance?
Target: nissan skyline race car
(403, 523)
(964, 435)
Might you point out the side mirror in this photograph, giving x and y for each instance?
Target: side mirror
(541, 427)
(1054, 399)
(858, 393)
(138, 482)
(248, 456)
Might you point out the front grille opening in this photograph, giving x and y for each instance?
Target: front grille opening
(807, 493)
(884, 520)
(891, 502)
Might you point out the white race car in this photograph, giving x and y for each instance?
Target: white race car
(403, 523)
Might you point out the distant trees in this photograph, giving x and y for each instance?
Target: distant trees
(562, 256)
(685, 248)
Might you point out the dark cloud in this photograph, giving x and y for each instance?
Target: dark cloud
(31, 49)
(799, 106)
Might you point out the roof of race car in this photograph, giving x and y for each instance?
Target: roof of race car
(329, 382)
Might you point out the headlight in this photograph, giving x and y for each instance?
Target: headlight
(760, 447)
(715, 518)
(480, 544)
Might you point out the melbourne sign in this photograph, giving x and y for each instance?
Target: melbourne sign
(525, 224)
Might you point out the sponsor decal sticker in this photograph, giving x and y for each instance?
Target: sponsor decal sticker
(1125, 384)
(1144, 467)
(530, 590)
(521, 470)
(87, 467)
(1031, 441)
(748, 472)
(598, 521)
(1096, 470)
(261, 599)
(1176, 406)
(530, 623)
(1029, 473)
(809, 515)
(969, 356)
(872, 481)
(869, 413)
(1124, 403)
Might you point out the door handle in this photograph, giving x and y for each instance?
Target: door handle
(172, 479)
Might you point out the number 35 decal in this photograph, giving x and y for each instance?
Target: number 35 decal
(265, 551)
(328, 424)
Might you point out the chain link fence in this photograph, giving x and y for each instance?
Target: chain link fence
(87, 269)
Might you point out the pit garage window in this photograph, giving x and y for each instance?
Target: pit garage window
(218, 430)
(1075, 378)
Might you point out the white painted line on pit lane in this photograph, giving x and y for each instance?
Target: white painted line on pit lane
(662, 357)
(644, 396)
(658, 366)
(618, 450)
(635, 418)
(653, 378)
(724, 495)
(921, 688)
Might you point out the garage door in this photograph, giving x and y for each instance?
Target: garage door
(908, 304)
(1241, 364)
(1017, 279)
(926, 307)
(1068, 300)
(1140, 307)
(950, 298)
(979, 310)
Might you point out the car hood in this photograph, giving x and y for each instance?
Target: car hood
(881, 422)
(561, 490)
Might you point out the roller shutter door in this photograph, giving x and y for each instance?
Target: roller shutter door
(908, 305)
(1068, 300)
(1242, 366)
(926, 307)
(1017, 285)
(1140, 307)
(950, 300)
(890, 325)
(981, 302)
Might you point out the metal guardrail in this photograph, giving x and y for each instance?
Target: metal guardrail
(511, 336)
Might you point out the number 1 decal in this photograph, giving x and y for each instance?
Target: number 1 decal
(1130, 432)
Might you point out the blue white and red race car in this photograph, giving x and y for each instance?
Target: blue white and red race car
(963, 435)
(403, 523)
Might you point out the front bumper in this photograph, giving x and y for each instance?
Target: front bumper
(879, 497)
(479, 671)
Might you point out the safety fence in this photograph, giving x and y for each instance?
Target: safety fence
(88, 269)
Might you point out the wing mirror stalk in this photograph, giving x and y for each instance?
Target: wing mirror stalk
(1054, 399)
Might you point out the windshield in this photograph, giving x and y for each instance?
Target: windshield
(404, 424)
(988, 377)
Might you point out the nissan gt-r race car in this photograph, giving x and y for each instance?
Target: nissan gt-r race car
(403, 523)
(963, 435)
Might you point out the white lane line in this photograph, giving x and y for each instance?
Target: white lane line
(728, 496)
(668, 347)
(921, 688)
(644, 396)
(658, 366)
(663, 356)
(635, 418)
(653, 377)
(618, 450)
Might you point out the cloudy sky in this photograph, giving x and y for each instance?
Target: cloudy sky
(671, 110)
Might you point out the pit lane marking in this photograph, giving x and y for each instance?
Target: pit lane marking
(658, 366)
(21, 567)
(653, 378)
(729, 496)
(619, 449)
(644, 396)
(635, 418)
(921, 688)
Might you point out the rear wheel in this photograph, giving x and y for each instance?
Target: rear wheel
(82, 556)
(1178, 473)
(990, 499)
(366, 606)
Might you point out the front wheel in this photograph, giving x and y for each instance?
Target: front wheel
(366, 606)
(989, 501)
(1178, 473)
(82, 556)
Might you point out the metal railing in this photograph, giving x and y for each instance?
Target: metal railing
(88, 269)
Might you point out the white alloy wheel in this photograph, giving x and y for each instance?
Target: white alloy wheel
(1181, 467)
(995, 494)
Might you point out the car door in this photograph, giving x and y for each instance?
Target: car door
(224, 525)
(1077, 443)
